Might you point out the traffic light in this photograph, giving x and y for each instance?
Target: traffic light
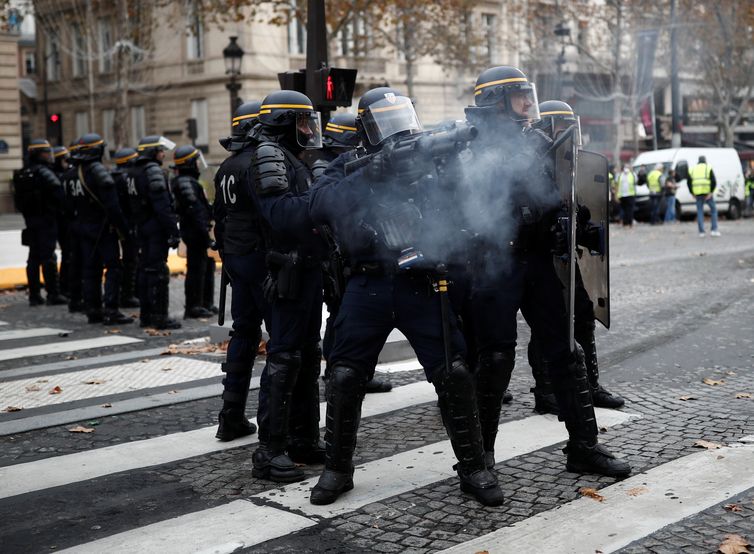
(55, 128)
(191, 129)
(335, 88)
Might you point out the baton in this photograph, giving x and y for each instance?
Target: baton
(224, 281)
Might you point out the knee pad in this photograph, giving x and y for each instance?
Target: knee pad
(454, 378)
(284, 359)
(348, 379)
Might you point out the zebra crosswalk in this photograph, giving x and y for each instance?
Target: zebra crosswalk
(271, 517)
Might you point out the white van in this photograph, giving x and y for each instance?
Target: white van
(729, 194)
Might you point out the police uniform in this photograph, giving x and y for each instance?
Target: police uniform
(239, 234)
(126, 188)
(72, 188)
(157, 232)
(62, 156)
(384, 222)
(39, 197)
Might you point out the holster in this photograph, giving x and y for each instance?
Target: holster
(286, 271)
(25, 239)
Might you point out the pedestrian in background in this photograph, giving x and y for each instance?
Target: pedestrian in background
(655, 181)
(749, 192)
(626, 187)
(702, 185)
(670, 188)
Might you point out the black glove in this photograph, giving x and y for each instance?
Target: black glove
(270, 288)
(559, 239)
(173, 241)
(212, 245)
(378, 167)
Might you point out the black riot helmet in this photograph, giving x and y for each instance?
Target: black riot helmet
(341, 131)
(385, 112)
(150, 146)
(90, 148)
(244, 118)
(287, 112)
(40, 151)
(555, 116)
(188, 159)
(125, 157)
(507, 89)
(61, 155)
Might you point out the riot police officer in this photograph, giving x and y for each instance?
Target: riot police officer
(556, 117)
(62, 156)
(128, 199)
(340, 136)
(99, 224)
(516, 205)
(288, 414)
(71, 186)
(240, 237)
(383, 219)
(39, 197)
(195, 222)
(157, 231)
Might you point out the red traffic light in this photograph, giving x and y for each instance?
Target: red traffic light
(54, 118)
(329, 89)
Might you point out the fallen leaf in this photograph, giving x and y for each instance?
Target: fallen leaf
(720, 457)
(731, 373)
(81, 429)
(43, 381)
(712, 382)
(152, 332)
(107, 405)
(112, 331)
(71, 358)
(185, 349)
(603, 429)
(687, 397)
(734, 544)
(482, 552)
(167, 369)
(172, 392)
(94, 382)
(262, 349)
(591, 493)
(12, 409)
(637, 491)
(56, 390)
(743, 395)
(63, 335)
(708, 445)
(32, 388)
(732, 507)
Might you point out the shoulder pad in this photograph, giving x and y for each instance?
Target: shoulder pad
(48, 175)
(101, 174)
(185, 187)
(155, 176)
(270, 172)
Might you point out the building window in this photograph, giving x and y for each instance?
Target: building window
(108, 126)
(78, 52)
(52, 57)
(105, 46)
(195, 36)
(30, 63)
(200, 113)
(138, 123)
(82, 124)
(354, 38)
(296, 33)
(490, 44)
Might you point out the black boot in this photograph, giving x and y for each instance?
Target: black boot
(196, 312)
(544, 399)
(115, 317)
(507, 397)
(159, 318)
(585, 455)
(304, 445)
(345, 393)
(455, 392)
(600, 396)
(232, 419)
(50, 272)
(32, 279)
(492, 378)
(270, 460)
(159, 321)
(377, 385)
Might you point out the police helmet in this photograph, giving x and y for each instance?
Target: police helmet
(556, 116)
(40, 149)
(341, 131)
(507, 88)
(384, 112)
(125, 157)
(188, 158)
(150, 145)
(287, 109)
(61, 152)
(90, 147)
(244, 118)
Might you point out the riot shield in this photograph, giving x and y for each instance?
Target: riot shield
(593, 192)
(566, 149)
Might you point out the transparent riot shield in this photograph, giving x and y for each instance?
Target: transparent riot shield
(566, 148)
(593, 194)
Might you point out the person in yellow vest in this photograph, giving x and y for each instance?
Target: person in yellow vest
(702, 184)
(655, 181)
(749, 192)
(626, 185)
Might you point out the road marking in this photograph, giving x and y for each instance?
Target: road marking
(216, 529)
(387, 477)
(3, 323)
(65, 346)
(103, 381)
(669, 493)
(226, 528)
(398, 367)
(31, 333)
(73, 468)
(146, 402)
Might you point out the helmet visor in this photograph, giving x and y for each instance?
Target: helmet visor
(388, 117)
(309, 129)
(523, 103)
(162, 142)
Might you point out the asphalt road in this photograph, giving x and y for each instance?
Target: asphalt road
(150, 476)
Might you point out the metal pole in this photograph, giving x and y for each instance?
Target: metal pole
(675, 85)
(316, 50)
(654, 120)
(90, 62)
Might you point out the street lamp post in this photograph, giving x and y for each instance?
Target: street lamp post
(562, 31)
(233, 55)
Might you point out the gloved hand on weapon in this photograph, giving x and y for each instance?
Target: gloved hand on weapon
(173, 241)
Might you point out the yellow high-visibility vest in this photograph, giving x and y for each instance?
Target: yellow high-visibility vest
(701, 184)
(631, 184)
(653, 181)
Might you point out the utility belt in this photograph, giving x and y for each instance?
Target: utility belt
(286, 274)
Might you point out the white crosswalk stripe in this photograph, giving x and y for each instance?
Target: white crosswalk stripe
(31, 333)
(64, 346)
